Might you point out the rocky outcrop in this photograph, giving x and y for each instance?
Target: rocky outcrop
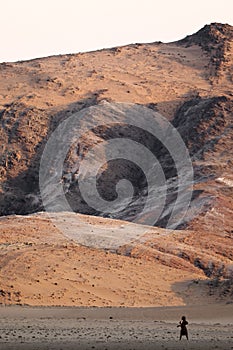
(203, 124)
(216, 40)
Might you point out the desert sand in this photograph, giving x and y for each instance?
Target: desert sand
(210, 327)
(40, 265)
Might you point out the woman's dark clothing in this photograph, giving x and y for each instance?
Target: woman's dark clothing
(183, 325)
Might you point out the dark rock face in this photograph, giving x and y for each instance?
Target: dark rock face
(23, 132)
(203, 123)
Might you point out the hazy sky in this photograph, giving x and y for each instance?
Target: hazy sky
(31, 28)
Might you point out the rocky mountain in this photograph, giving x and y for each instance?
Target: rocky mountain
(175, 79)
(120, 94)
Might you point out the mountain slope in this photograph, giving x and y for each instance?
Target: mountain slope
(37, 95)
(189, 82)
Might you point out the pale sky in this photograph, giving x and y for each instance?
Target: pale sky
(32, 28)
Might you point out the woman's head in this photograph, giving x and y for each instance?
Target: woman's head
(183, 318)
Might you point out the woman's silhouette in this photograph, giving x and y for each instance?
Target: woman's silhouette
(183, 325)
